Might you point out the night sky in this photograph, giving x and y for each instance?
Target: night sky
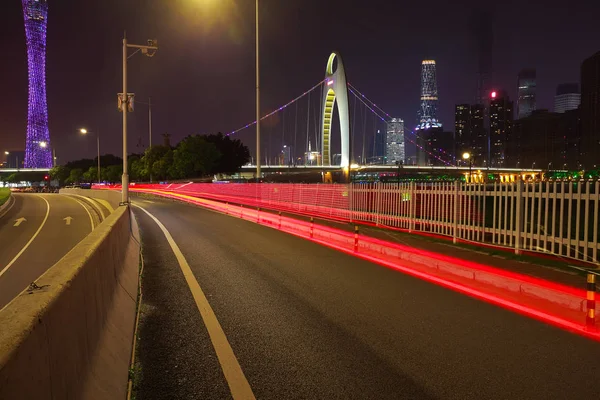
(202, 78)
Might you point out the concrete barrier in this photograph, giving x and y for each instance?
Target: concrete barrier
(111, 196)
(72, 338)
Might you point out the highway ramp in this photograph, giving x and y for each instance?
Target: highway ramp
(307, 322)
(36, 231)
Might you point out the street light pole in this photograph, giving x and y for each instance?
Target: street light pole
(257, 101)
(125, 101)
(147, 50)
(98, 145)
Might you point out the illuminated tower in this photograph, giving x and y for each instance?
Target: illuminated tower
(429, 96)
(37, 149)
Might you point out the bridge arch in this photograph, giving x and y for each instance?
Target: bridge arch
(335, 92)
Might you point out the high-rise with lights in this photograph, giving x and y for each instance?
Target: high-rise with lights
(501, 127)
(429, 96)
(394, 146)
(567, 97)
(38, 153)
(526, 88)
(590, 111)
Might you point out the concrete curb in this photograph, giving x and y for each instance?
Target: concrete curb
(6, 204)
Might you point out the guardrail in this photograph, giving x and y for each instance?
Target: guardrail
(553, 217)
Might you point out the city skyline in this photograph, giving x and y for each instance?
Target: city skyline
(93, 70)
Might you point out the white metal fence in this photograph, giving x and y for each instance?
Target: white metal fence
(557, 217)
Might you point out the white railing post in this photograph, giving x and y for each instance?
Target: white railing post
(519, 216)
(455, 214)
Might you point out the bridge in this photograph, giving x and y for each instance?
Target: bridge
(412, 289)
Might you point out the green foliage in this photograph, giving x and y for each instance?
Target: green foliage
(75, 176)
(112, 173)
(233, 153)
(60, 173)
(193, 157)
(4, 195)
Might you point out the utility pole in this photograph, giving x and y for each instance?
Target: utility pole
(149, 121)
(257, 101)
(148, 50)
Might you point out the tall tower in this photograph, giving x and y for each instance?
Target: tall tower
(38, 153)
(526, 93)
(429, 96)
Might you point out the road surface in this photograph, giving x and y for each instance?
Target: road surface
(36, 231)
(306, 322)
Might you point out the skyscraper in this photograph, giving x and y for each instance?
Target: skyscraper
(470, 135)
(462, 132)
(38, 153)
(481, 27)
(429, 96)
(567, 97)
(526, 88)
(501, 126)
(590, 111)
(394, 147)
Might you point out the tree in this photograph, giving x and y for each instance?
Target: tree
(160, 168)
(91, 174)
(112, 173)
(152, 155)
(75, 176)
(137, 171)
(60, 173)
(193, 157)
(234, 153)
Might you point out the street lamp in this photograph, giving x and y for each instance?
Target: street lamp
(125, 107)
(84, 131)
(467, 157)
(257, 101)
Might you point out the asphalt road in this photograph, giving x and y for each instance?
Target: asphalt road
(34, 235)
(307, 322)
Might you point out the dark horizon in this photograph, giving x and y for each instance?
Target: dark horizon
(202, 78)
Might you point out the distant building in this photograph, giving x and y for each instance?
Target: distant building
(469, 133)
(427, 116)
(378, 147)
(590, 111)
(285, 158)
(462, 130)
(501, 124)
(312, 157)
(15, 159)
(567, 97)
(526, 88)
(395, 142)
(545, 140)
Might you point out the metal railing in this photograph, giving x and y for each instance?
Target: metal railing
(556, 217)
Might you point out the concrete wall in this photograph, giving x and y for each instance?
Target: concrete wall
(72, 339)
(113, 197)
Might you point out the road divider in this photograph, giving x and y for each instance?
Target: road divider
(69, 336)
(560, 305)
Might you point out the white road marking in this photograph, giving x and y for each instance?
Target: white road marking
(68, 220)
(19, 221)
(238, 384)
(30, 240)
(86, 210)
